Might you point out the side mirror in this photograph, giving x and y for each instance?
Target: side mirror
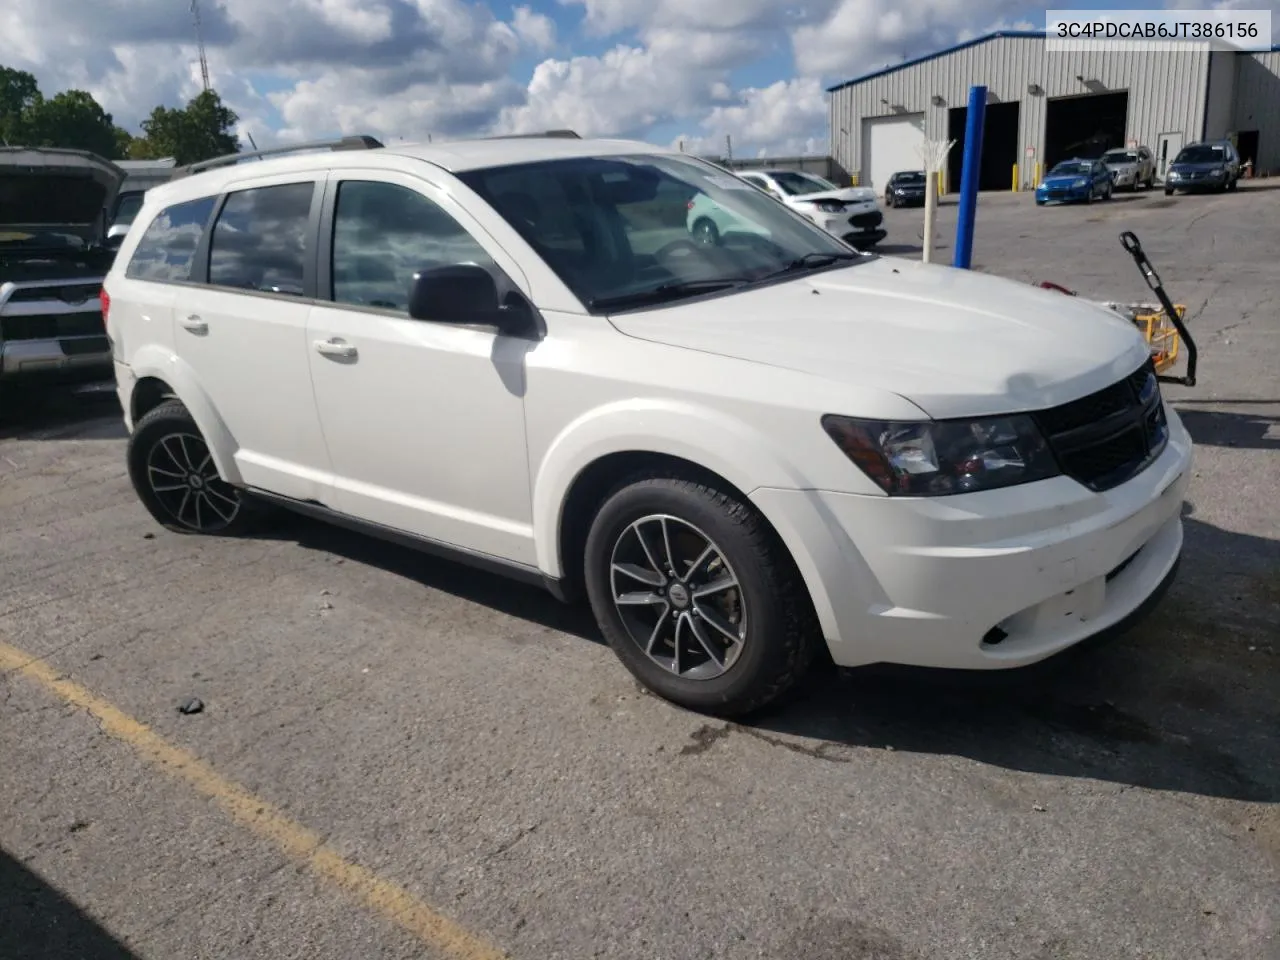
(465, 294)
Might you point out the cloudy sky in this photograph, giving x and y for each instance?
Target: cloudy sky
(660, 70)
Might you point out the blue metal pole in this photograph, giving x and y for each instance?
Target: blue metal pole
(974, 118)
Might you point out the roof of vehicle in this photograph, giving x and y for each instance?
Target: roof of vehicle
(455, 156)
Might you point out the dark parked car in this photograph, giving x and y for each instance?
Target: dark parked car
(905, 188)
(1213, 165)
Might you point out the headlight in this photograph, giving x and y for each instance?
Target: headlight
(1217, 172)
(1174, 174)
(1081, 182)
(830, 206)
(933, 458)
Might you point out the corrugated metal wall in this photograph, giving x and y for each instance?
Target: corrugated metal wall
(1257, 105)
(1167, 92)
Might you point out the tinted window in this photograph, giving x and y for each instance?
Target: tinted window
(167, 248)
(383, 234)
(260, 239)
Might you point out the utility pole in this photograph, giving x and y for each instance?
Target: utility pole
(728, 149)
(204, 61)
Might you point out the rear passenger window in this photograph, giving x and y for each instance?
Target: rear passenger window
(260, 239)
(167, 249)
(383, 234)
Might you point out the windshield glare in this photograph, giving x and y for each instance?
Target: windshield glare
(798, 184)
(1077, 168)
(1120, 156)
(909, 178)
(623, 226)
(1202, 155)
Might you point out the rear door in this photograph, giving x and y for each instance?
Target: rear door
(243, 331)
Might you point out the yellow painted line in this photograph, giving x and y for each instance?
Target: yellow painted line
(262, 818)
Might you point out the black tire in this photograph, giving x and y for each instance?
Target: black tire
(780, 636)
(1233, 184)
(1168, 191)
(166, 450)
(705, 232)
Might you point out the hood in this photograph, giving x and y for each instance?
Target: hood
(53, 191)
(954, 342)
(843, 194)
(1059, 179)
(1193, 167)
(1122, 165)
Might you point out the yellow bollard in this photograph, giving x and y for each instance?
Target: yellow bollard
(1037, 175)
(1015, 178)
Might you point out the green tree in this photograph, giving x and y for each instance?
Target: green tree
(202, 129)
(71, 119)
(19, 94)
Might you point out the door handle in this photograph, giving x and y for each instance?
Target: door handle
(335, 348)
(195, 324)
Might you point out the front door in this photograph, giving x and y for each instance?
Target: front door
(244, 335)
(1167, 147)
(424, 421)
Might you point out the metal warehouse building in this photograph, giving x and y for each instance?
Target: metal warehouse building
(1045, 106)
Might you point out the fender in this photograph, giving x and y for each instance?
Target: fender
(710, 438)
(163, 364)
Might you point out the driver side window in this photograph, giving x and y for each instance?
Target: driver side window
(383, 234)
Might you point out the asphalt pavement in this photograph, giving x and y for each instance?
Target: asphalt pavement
(396, 757)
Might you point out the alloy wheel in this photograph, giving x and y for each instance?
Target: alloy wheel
(184, 479)
(679, 599)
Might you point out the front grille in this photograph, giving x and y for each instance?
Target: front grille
(52, 326)
(864, 221)
(1108, 437)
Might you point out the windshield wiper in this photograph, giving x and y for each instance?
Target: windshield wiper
(810, 261)
(666, 292)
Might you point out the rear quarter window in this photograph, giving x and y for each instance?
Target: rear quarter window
(167, 249)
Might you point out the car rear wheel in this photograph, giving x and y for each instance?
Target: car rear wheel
(697, 596)
(173, 474)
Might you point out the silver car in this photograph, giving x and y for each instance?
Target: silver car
(1131, 167)
(54, 253)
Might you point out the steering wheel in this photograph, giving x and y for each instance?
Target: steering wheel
(669, 248)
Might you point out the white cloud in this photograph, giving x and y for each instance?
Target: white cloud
(413, 68)
(861, 35)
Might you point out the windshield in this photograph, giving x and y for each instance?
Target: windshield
(1072, 168)
(908, 178)
(1120, 156)
(798, 184)
(1202, 155)
(620, 229)
(127, 208)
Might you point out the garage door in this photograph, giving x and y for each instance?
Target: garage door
(890, 144)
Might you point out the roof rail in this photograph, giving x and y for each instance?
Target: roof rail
(558, 134)
(344, 143)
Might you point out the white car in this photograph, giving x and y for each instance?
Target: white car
(511, 352)
(851, 213)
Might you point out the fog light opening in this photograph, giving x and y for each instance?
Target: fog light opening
(994, 637)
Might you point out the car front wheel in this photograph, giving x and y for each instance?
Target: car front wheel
(697, 596)
(173, 474)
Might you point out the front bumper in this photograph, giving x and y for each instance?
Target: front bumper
(1194, 182)
(1062, 194)
(988, 580)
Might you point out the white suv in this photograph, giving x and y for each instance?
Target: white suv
(743, 453)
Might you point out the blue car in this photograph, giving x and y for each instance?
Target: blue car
(1076, 181)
